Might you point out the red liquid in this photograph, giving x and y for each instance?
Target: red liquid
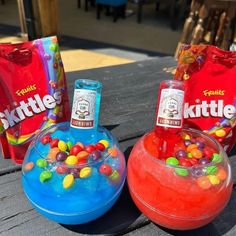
(168, 199)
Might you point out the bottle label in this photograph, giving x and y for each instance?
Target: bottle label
(83, 109)
(170, 108)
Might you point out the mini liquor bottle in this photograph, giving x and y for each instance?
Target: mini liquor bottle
(85, 110)
(169, 115)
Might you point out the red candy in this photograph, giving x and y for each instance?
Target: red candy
(75, 150)
(89, 148)
(54, 142)
(82, 162)
(46, 139)
(208, 152)
(81, 145)
(185, 162)
(193, 161)
(105, 169)
(61, 169)
(100, 146)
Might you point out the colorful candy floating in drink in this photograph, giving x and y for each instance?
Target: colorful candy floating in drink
(179, 178)
(71, 179)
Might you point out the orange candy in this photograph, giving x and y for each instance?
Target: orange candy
(191, 147)
(82, 155)
(53, 152)
(204, 182)
(112, 152)
(196, 153)
(28, 166)
(221, 174)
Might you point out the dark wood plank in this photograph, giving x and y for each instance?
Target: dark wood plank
(128, 97)
(7, 166)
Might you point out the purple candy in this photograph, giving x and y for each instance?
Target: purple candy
(187, 142)
(95, 155)
(204, 161)
(75, 172)
(47, 56)
(181, 154)
(200, 144)
(197, 171)
(61, 156)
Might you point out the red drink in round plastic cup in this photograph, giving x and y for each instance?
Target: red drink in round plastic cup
(179, 178)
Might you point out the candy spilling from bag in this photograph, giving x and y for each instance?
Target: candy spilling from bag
(33, 93)
(209, 74)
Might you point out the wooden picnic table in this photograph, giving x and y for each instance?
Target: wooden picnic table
(128, 110)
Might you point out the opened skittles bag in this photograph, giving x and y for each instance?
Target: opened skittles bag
(210, 104)
(33, 93)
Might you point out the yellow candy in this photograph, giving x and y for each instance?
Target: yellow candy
(85, 172)
(220, 133)
(214, 179)
(71, 160)
(57, 55)
(187, 137)
(104, 142)
(62, 146)
(186, 76)
(68, 181)
(56, 110)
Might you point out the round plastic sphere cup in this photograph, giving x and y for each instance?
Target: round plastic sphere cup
(70, 193)
(181, 198)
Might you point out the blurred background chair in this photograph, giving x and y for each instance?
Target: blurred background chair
(210, 22)
(92, 3)
(177, 9)
(118, 7)
(140, 4)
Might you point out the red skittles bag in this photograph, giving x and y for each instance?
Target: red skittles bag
(33, 93)
(210, 103)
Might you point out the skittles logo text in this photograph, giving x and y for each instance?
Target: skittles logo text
(23, 91)
(34, 105)
(214, 92)
(213, 108)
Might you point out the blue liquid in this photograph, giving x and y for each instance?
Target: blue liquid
(87, 199)
(89, 134)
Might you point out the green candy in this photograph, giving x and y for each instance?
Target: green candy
(190, 155)
(181, 171)
(211, 170)
(45, 176)
(69, 145)
(216, 158)
(115, 176)
(172, 161)
(53, 47)
(41, 163)
(1, 129)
